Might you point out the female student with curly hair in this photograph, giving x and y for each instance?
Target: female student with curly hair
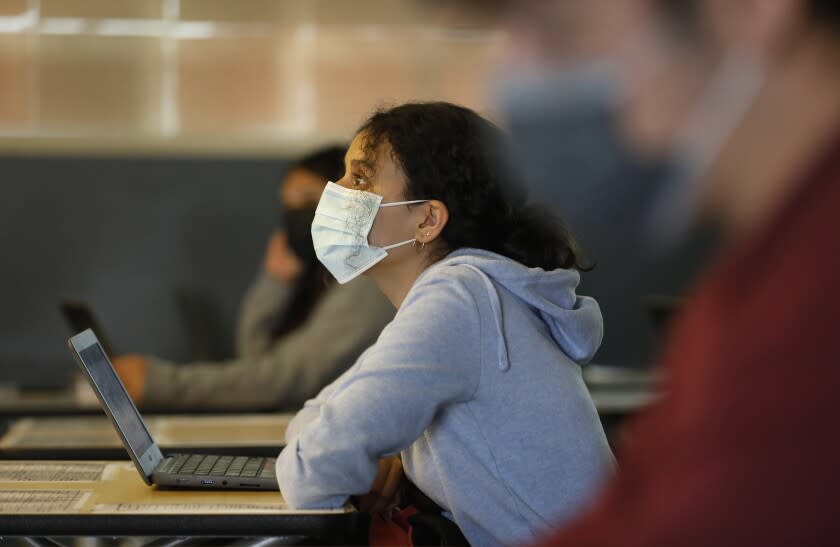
(476, 383)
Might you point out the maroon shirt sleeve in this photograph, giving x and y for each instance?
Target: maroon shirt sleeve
(745, 447)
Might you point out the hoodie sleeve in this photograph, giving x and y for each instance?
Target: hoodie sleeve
(425, 360)
(312, 408)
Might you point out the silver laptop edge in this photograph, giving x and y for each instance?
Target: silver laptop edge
(152, 456)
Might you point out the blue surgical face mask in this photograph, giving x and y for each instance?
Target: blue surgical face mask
(340, 229)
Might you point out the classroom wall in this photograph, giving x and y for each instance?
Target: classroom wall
(129, 235)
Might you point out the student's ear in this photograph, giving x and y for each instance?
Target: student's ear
(433, 218)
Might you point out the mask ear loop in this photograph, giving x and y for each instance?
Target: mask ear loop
(396, 203)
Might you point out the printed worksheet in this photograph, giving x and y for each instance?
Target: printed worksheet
(42, 501)
(51, 471)
(200, 508)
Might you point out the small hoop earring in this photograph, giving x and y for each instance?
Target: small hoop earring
(414, 243)
(423, 244)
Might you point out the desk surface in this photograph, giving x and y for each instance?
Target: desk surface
(110, 498)
(15, 402)
(621, 391)
(613, 377)
(78, 399)
(93, 437)
(621, 402)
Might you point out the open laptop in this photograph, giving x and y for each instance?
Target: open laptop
(195, 471)
(79, 316)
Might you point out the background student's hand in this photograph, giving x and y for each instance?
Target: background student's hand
(132, 371)
(385, 491)
(280, 261)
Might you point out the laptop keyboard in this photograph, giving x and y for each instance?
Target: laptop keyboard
(220, 466)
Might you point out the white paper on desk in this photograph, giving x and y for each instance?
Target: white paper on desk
(194, 508)
(42, 501)
(114, 468)
(51, 471)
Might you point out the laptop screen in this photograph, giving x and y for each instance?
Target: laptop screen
(114, 396)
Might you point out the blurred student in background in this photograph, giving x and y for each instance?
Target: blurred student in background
(742, 99)
(298, 330)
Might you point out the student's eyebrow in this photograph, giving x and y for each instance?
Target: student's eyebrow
(364, 164)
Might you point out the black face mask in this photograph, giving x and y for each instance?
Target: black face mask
(297, 223)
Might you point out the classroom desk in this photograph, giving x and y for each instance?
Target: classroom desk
(78, 400)
(623, 402)
(620, 391)
(615, 406)
(93, 437)
(15, 403)
(613, 377)
(94, 498)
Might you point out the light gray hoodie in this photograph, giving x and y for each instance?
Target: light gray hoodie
(477, 383)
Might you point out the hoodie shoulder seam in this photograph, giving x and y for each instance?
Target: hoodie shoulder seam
(467, 278)
(466, 282)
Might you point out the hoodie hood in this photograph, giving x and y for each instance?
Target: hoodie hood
(575, 322)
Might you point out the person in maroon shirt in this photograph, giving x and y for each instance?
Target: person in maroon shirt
(743, 446)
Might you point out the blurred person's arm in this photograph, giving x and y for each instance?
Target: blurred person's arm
(343, 324)
(266, 298)
(264, 301)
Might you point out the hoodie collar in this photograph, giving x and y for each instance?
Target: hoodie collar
(575, 322)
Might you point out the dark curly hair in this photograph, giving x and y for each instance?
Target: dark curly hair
(450, 153)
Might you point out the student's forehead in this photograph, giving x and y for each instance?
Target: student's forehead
(378, 160)
(360, 151)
